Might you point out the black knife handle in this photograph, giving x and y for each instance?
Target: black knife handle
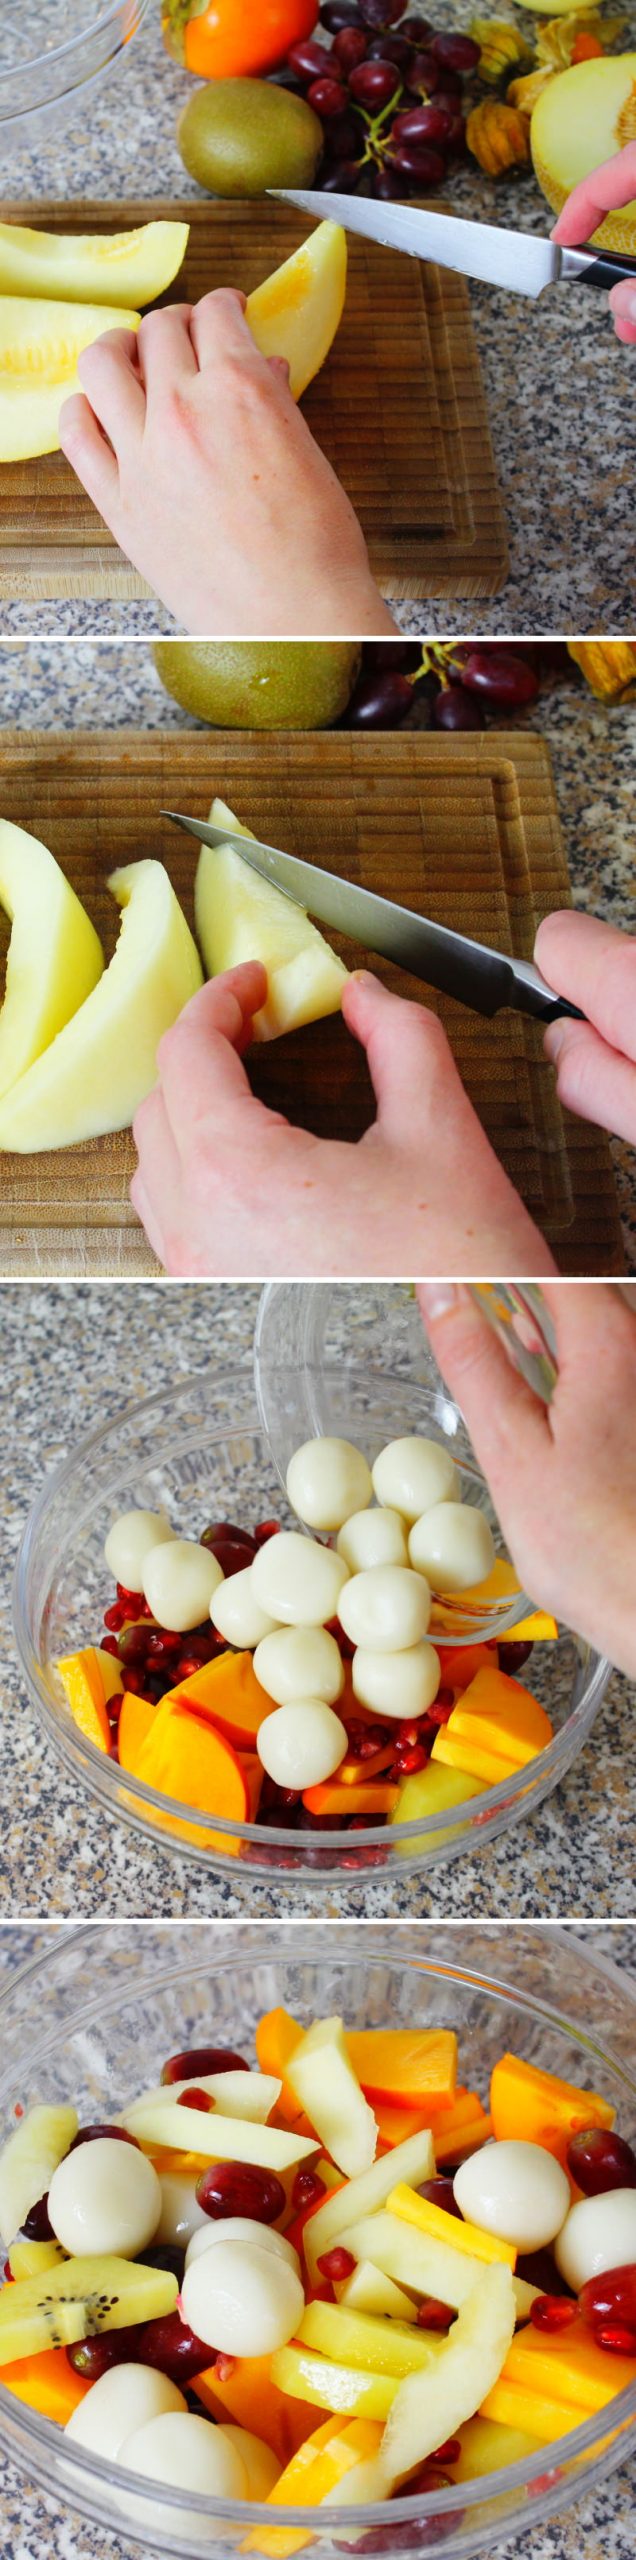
(608, 269)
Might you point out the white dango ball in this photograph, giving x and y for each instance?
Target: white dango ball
(183, 2452)
(515, 2190)
(373, 1537)
(386, 1610)
(105, 2197)
(180, 2213)
(237, 1613)
(301, 1744)
(412, 1474)
(298, 1581)
(241, 2226)
(600, 2233)
(300, 1662)
(326, 1481)
(396, 1684)
(179, 1582)
(122, 2400)
(453, 1546)
(262, 2467)
(242, 2299)
(130, 1542)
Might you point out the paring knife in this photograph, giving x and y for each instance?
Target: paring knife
(515, 259)
(450, 961)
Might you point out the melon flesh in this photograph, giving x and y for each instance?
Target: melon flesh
(40, 345)
(55, 958)
(239, 916)
(581, 119)
(126, 267)
(297, 311)
(104, 1062)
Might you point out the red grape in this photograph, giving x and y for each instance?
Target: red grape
(456, 53)
(232, 2186)
(342, 138)
(611, 2296)
(380, 13)
(418, 160)
(94, 2356)
(349, 48)
(392, 653)
(501, 677)
(36, 2225)
(102, 2133)
(233, 1547)
(389, 187)
(341, 179)
(309, 59)
(132, 1644)
(374, 84)
(199, 2062)
(429, 123)
(600, 2160)
(379, 702)
(339, 13)
(390, 49)
(418, 30)
(425, 73)
(170, 2347)
(440, 2191)
(454, 709)
(327, 98)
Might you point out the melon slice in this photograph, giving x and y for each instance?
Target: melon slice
(412, 2161)
(104, 1062)
(79, 2300)
(239, 916)
(122, 268)
(28, 2162)
(582, 117)
(54, 958)
(217, 2137)
(328, 2090)
(40, 345)
(249, 2095)
(297, 311)
(430, 2406)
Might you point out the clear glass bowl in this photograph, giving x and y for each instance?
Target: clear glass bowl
(105, 2006)
(203, 1452)
(55, 55)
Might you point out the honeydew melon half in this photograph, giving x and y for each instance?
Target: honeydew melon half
(103, 1063)
(40, 346)
(120, 268)
(55, 958)
(239, 916)
(581, 119)
(298, 309)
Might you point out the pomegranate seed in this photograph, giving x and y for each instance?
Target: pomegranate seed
(266, 1529)
(441, 1710)
(225, 2367)
(336, 2264)
(552, 2311)
(449, 2452)
(306, 2189)
(133, 1600)
(197, 2098)
(409, 1735)
(8, 2278)
(416, 1758)
(186, 1666)
(109, 1645)
(434, 2315)
(114, 1618)
(616, 2338)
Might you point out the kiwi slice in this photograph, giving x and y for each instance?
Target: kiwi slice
(80, 2299)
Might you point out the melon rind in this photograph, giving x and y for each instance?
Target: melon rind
(576, 125)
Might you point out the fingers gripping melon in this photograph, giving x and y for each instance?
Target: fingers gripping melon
(297, 311)
(239, 916)
(124, 268)
(79, 2300)
(55, 958)
(40, 345)
(582, 118)
(103, 1063)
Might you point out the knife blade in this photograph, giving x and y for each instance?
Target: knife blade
(452, 962)
(518, 260)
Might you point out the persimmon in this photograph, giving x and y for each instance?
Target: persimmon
(228, 39)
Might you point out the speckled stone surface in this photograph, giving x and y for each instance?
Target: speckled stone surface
(66, 1352)
(85, 685)
(559, 386)
(599, 2527)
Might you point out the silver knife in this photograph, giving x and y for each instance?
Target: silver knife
(450, 961)
(515, 259)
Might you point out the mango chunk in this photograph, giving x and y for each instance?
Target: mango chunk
(438, 2225)
(529, 2105)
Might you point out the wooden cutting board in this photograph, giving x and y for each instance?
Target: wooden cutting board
(465, 829)
(399, 408)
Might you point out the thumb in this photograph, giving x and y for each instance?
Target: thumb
(508, 1425)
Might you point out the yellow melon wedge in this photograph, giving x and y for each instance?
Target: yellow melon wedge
(297, 311)
(54, 958)
(40, 346)
(582, 118)
(103, 1063)
(239, 916)
(118, 269)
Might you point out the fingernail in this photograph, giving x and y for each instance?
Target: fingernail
(438, 1297)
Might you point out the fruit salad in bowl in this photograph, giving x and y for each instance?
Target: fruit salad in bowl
(384, 2269)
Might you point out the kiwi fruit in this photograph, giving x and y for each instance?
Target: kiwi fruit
(260, 684)
(239, 137)
(79, 2299)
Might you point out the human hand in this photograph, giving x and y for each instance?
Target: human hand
(226, 1189)
(605, 191)
(595, 967)
(190, 445)
(562, 1476)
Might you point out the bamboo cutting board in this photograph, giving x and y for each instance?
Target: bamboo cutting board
(399, 408)
(465, 829)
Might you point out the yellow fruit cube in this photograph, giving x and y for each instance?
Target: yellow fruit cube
(463, 2236)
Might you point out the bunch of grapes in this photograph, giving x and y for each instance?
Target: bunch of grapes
(443, 684)
(388, 91)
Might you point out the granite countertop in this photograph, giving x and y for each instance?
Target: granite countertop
(559, 386)
(593, 751)
(67, 1351)
(34, 2527)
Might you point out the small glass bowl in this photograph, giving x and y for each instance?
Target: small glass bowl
(94, 2018)
(54, 56)
(202, 1453)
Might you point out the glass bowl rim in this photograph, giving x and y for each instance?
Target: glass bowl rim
(105, 24)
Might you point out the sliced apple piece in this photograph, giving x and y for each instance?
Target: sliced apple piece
(297, 311)
(28, 2162)
(327, 2385)
(54, 958)
(239, 916)
(217, 2137)
(486, 2446)
(325, 2083)
(116, 269)
(78, 2300)
(250, 2095)
(373, 2346)
(40, 347)
(367, 2289)
(430, 2406)
(412, 2161)
(104, 1062)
